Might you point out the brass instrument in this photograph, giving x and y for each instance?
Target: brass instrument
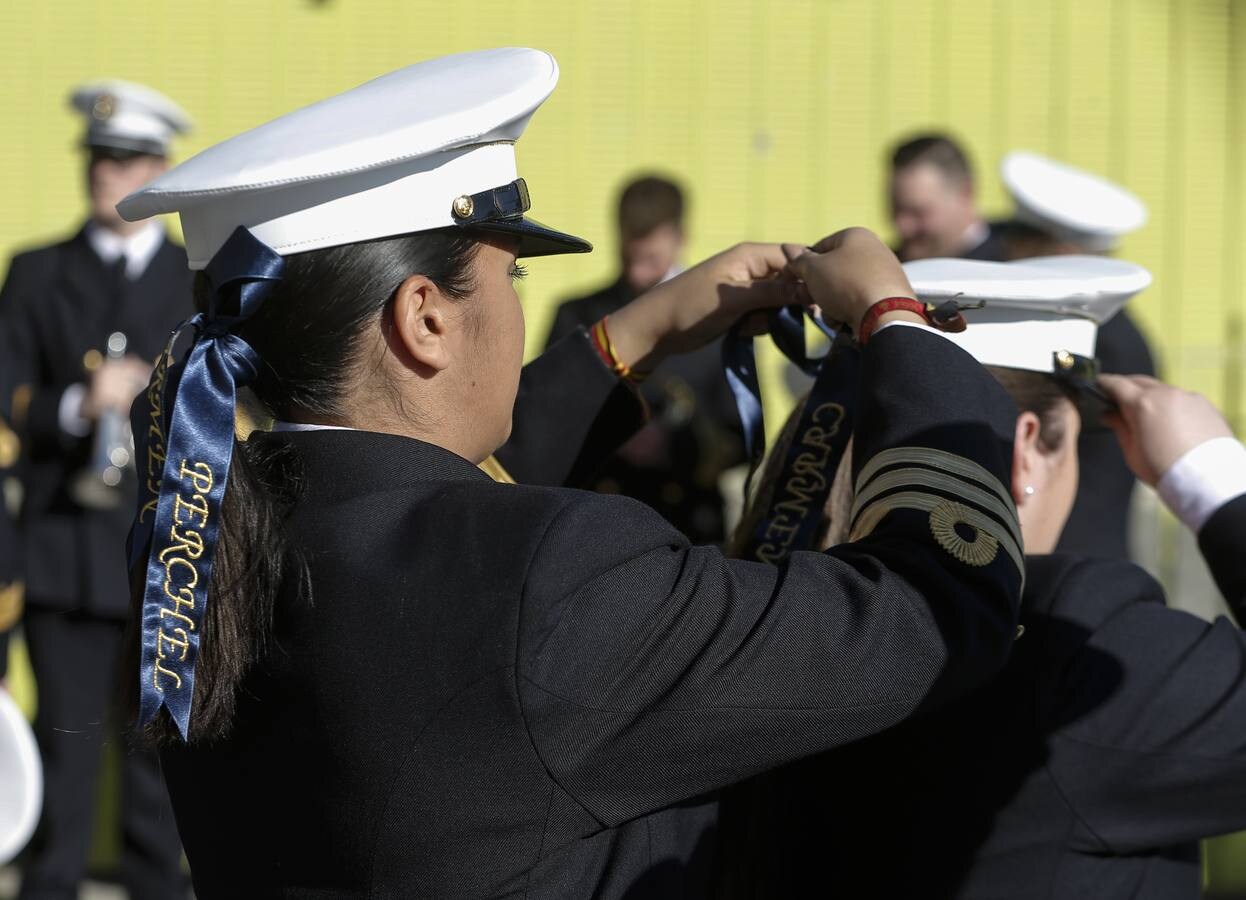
(97, 485)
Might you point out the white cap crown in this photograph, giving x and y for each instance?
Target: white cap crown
(122, 115)
(1032, 311)
(1083, 209)
(396, 155)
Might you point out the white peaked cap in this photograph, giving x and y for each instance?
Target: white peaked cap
(429, 146)
(1036, 312)
(21, 780)
(127, 116)
(1083, 209)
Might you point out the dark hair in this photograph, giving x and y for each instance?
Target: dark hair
(1040, 394)
(937, 150)
(308, 334)
(647, 204)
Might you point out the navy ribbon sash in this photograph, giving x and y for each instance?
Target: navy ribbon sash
(186, 437)
(794, 511)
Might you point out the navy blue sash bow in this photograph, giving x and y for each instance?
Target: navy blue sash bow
(794, 510)
(186, 438)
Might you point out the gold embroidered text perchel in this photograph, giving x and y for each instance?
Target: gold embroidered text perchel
(808, 478)
(180, 559)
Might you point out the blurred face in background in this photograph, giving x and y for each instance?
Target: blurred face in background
(647, 259)
(113, 175)
(931, 211)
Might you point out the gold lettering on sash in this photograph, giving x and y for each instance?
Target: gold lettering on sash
(793, 498)
(155, 435)
(201, 476)
(181, 554)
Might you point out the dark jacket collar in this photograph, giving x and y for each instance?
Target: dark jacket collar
(343, 464)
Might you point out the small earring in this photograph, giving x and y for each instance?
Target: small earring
(1029, 490)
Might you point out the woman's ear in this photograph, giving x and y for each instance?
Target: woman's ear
(1028, 473)
(420, 322)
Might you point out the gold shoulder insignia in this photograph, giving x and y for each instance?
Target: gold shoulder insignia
(10, 604)
(950, 525)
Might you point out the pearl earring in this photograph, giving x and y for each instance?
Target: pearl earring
(1029, 490)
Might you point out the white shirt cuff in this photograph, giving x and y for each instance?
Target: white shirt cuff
(883, 328)
(69, 411)
(1203, 480)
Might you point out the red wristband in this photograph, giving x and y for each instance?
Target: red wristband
(946, 316)
(890, 304)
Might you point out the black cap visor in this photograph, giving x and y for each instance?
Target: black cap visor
(502, 209)
(537, 240)
(122, 146)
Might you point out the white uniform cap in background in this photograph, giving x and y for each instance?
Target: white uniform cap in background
(21, 780)
(1075, 206)
(122, 115)
(1038, 314)
(428, 146)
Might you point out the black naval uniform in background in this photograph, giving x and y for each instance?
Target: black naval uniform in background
(674, 462)
(506, 690)
(991, 247)
(57, 303)
(1114, 740)
(1099, 523)
(11, 585)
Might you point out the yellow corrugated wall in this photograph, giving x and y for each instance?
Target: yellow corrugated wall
(775, 114)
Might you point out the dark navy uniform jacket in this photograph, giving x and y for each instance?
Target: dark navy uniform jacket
(11, 584)
(1112, 742)
(57, 303)
(496, 690)
(692, 438)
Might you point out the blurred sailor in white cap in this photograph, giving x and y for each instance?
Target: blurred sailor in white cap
(1115, 736)
(441, 686)
(1063, 210)
(81, 320)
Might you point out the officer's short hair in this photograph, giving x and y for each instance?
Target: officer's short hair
(647, 204)
(937, 150)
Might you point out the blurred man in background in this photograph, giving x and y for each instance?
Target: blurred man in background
(674, 463)
(1061, 210)
(81, 321)
(933, 203)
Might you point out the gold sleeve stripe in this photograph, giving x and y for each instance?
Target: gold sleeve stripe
(10, 604)
(960, 490)
(496, 471)
(872, 514)
(940, 459)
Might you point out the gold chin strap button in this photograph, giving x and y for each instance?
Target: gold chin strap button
(1064, 359)
(966, 543)
(463, 206)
